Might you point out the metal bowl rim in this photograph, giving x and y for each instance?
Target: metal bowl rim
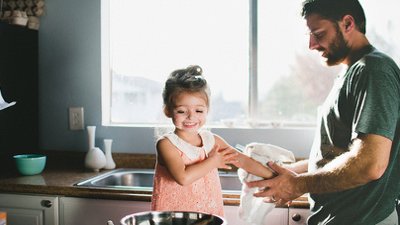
(122, 221)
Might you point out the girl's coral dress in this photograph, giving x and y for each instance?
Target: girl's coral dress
(203, 195)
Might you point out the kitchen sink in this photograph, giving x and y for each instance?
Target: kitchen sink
(142, 180)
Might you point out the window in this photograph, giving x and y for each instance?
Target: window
(254, 55)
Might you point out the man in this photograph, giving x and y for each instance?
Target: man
(353, 172)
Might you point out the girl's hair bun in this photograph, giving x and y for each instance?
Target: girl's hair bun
(189, 79)
(194, 70)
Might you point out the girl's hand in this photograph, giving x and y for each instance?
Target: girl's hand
(224, 156)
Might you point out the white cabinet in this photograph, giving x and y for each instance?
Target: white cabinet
(232, 216)
(278, 216)
(298, 216)
(52, 210)
(30, 209)
(75, 211)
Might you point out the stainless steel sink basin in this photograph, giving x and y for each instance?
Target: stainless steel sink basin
(142, 179)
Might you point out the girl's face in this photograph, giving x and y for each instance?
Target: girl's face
(190, 111)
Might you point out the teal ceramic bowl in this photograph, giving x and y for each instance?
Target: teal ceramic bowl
(30, 164)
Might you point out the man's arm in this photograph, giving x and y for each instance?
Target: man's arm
(365, 161)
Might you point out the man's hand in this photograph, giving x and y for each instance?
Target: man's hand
(281, 189)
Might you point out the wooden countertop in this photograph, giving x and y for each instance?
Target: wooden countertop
(60, 175)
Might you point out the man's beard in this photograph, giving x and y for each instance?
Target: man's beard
(338, 50)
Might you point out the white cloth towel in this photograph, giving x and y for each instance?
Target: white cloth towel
(253, 209)
(4, 104)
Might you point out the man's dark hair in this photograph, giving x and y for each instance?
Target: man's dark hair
(334, 10)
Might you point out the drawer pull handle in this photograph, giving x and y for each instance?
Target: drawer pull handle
(47, 203)
(296, 217)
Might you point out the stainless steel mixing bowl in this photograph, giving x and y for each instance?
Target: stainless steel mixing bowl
(172, 218)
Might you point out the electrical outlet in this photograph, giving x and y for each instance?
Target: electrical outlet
(76, 118)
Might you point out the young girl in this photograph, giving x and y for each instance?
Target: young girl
(186, 173)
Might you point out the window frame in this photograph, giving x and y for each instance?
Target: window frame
(105, 65)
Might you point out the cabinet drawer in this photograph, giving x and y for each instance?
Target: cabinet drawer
(298, 216)
(30, 209)
(278, 216)
(97, 211)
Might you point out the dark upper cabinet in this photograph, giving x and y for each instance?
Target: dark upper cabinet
(19, 82)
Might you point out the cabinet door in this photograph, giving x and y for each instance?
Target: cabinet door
(278, 216)
(75, 211)
(19, 82)
(29, 210)
(298, 216)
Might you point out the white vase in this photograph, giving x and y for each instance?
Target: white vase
(91, 131)
(95, 159)
(110, 164)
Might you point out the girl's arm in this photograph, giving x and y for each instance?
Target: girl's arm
(298, 167)
(169, 157)
(245, 162)
(253, 166)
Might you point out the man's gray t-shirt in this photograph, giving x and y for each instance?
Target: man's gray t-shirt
(366, 99)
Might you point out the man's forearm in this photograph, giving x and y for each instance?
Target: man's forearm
(367, 155)
(342, 173)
